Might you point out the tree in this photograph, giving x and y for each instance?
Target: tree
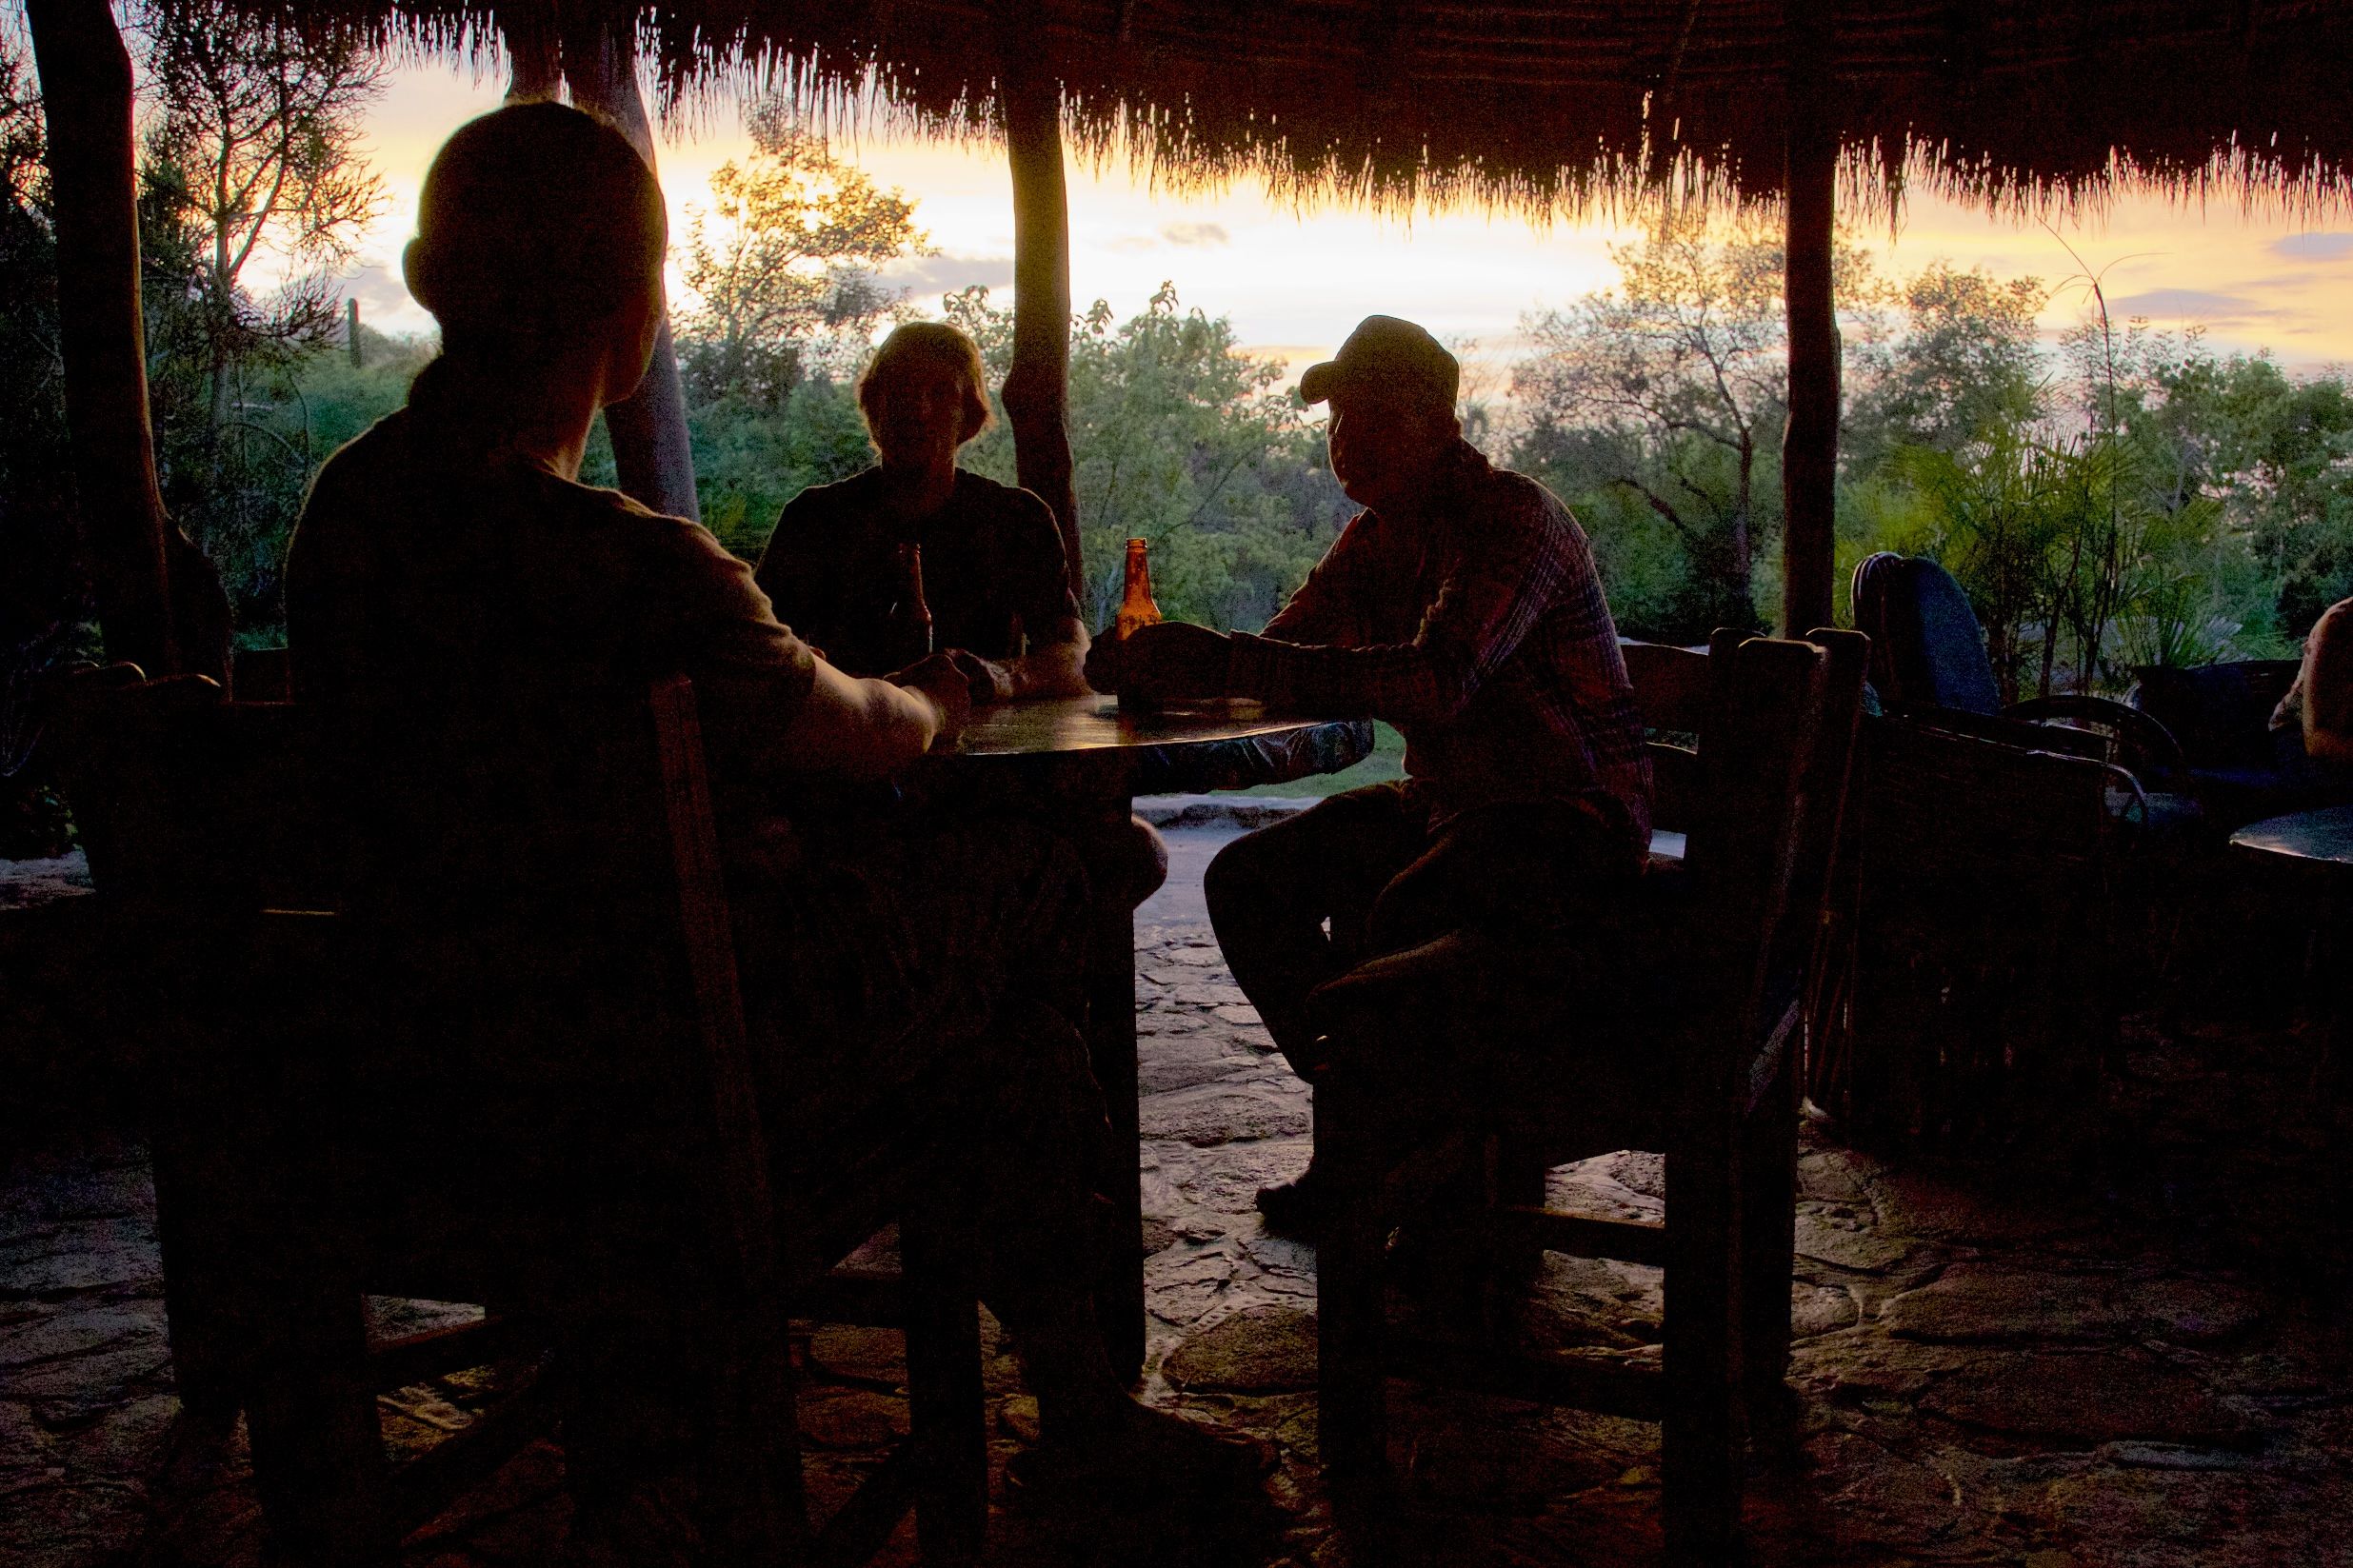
(1673, 386)
(1966, 363)
(1180, 439)
(782, 264)
(44, 599)
(253, 148)
(259, 142)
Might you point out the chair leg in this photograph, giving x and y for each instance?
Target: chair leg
(944, 1382)
(1704, 1437)
(1352, 1395)
(763, 1512)
(1768, 1189)
(317, 1446)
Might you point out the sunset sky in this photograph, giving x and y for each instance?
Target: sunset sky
(1294, 284)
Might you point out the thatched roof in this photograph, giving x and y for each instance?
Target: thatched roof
(1559, 105)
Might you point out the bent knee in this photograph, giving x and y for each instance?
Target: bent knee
(1235, 875)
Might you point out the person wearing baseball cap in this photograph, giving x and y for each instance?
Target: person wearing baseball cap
(1461, 606)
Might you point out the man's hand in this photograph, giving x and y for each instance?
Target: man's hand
(989, 681)
(1172, 659)
(939, 678)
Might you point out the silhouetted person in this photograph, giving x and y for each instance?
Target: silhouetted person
(450, 549)
(1462, 607)
(994, 572)
(2319, 704)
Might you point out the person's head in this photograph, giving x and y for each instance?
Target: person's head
(1392, 389)
(540, 240)
(925, 391)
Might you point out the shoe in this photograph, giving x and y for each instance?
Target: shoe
(1299, 1209)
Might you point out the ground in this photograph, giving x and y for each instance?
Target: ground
(2139, 1360)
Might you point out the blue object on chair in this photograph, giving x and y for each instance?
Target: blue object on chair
(1928, 662)
(1927, 650)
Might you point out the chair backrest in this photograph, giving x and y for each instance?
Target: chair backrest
(2221, 713)
(495, 957)
(1927, 650)
(1760, 759)
(1674, 691)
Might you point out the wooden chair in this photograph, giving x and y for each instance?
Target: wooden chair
(461, 1022)
(1929, 665)
(1677, 1028)
(1989, 942)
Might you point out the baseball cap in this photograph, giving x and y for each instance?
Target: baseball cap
(1389, 357)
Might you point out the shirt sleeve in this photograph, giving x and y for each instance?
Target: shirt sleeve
(758, 673)
(1324, 610)
(1507, 571)
(795, 572)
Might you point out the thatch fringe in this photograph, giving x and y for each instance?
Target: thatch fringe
(1543, 109)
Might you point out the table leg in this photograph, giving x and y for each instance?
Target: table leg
(1111, 1045)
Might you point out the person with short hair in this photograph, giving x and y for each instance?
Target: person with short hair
(995, 575)
(2319, 704)
(1463, 606)
(450, 550)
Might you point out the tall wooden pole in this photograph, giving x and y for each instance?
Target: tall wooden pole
(651, 448)
(1037, 392)
(160, 603)
(1809, 443)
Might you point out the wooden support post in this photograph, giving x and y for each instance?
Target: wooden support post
(1037, 392)
(351, 331)
(160, 603)
(1809, 443)
(650, 446)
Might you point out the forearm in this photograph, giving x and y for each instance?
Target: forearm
(860, 728)
(1408, 682)
(1056, 669)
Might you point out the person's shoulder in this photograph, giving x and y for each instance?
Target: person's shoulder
(855, 492)
(364, 463)
(2335, 622)
(978, 494)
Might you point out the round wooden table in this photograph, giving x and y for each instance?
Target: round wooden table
(1085, 760)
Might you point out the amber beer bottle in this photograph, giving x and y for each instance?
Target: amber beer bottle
(907, 630)
(1136, 606)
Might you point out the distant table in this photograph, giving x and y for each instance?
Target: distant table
(1085, 760)
(2317, 848)
(2318, 842)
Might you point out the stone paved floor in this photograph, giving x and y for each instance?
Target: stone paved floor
(2001, 1367)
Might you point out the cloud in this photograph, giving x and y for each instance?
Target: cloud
(1196, 235)
(385, 303)
(1128, 244)
(2322, 248)
(2194, 304)
(925, 275)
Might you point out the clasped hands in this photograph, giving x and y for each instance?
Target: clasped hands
(1165, 663)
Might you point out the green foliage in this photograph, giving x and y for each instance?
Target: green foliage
(253, 142)
(1179, 439)
(749, 460)
(1670, 388)
(43, 597)
(781, 267)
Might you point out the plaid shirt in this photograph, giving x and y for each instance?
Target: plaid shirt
(1479, 630)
